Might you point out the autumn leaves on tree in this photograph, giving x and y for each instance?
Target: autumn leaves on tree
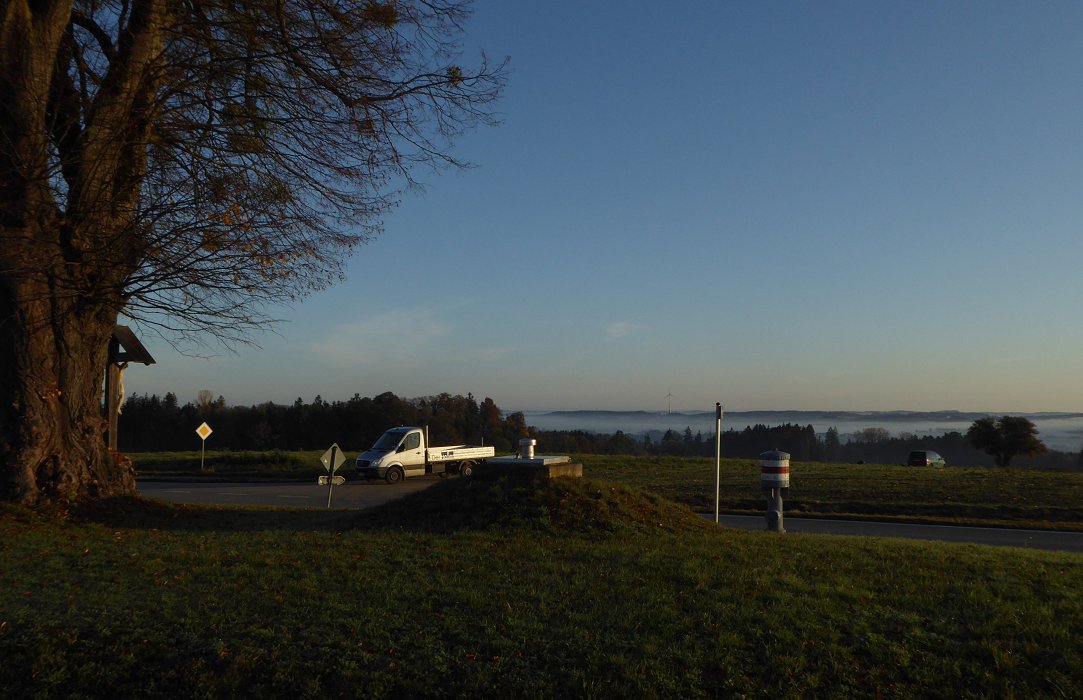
(187, 165)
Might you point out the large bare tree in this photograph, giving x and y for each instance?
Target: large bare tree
(186, 164)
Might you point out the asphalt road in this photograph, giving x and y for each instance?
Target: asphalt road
(1001, 537)
(361, 494)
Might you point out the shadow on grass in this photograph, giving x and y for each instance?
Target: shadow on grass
(564, 505)
(142, 513)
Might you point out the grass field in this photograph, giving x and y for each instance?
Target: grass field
(239, 466)
(568, 588)
(970, 495)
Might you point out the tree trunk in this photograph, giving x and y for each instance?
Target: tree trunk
(64, 262)
(51, 420)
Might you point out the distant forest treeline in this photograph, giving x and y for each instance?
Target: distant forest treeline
(871, 445)
(156, 424)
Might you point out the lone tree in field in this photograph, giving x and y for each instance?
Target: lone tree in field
(186, 164)
(1005, 437)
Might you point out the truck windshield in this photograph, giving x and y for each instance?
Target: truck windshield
(388, 441)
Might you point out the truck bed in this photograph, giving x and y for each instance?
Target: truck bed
(458, 453)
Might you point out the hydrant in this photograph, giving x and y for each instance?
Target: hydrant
(775, 481)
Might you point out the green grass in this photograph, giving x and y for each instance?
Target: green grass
(225, 465)
(970, 495)
(568, 588)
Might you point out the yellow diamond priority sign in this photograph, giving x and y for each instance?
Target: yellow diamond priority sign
(203, 432)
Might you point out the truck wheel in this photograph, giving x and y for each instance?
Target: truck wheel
(394, 475)
(466, 468)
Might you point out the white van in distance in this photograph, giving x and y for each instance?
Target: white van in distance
(402, 452)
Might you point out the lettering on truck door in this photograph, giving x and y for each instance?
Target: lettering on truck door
(413, 456)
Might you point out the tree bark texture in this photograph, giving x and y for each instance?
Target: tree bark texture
(64, 258)
(52, 438)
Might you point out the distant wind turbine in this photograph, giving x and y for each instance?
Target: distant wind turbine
(669, 397)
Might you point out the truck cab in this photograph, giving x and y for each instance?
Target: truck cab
(399, 452)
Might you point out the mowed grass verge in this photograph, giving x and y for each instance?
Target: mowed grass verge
(564, 588)
(224, 465)
(951, 495)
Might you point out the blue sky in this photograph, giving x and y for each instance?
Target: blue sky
(774, 205)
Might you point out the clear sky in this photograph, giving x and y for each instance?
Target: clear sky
(775, 205)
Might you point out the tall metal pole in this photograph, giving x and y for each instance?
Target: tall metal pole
(717, 457)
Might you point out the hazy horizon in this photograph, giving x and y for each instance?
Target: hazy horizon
(1059, 430)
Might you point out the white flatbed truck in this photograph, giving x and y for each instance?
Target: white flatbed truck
(403, 452)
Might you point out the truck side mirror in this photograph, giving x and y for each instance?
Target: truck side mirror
(400, 448)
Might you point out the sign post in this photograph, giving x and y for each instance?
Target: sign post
(204, 431)
(717, 457)
(332, 459)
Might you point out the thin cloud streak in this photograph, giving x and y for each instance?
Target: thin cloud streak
(621, 329)
(395, 334)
